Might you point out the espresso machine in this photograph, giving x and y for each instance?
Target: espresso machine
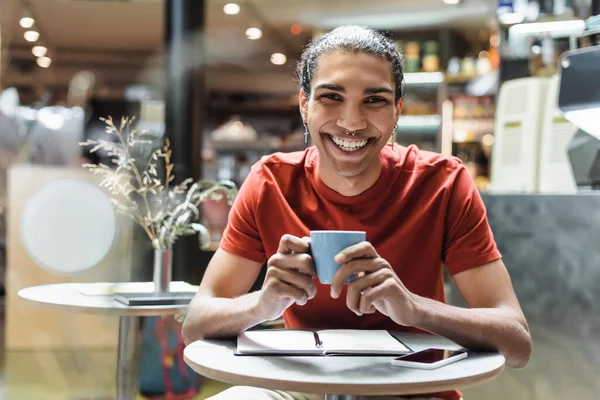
(579, 102)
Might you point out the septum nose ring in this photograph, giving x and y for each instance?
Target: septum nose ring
(351, 134)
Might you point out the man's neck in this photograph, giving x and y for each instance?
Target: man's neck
(353, 186)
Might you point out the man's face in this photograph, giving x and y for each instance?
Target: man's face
(351, 92)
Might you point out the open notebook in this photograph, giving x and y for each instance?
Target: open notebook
(323, 342)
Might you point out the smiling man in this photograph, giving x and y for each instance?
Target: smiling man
(420, 210)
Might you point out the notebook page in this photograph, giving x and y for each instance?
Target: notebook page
(277, 341)
(361, 341)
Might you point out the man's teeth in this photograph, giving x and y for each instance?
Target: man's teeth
(349, 145)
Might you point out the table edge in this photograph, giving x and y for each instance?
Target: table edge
(345, 389)
(141, 311)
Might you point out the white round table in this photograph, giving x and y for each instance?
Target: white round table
(68, 297)
(342, 377)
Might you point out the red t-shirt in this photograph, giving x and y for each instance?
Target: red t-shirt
(423, 212)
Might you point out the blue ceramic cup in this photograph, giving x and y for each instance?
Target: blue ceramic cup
(325, 245)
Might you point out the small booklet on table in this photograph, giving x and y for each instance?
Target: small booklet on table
(112, 288)
(154, 299)
(295, 342)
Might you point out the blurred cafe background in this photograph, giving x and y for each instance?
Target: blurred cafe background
(511, 87)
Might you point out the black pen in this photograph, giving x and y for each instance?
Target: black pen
(318, 342)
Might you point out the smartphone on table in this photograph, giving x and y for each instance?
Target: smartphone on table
(429, 358)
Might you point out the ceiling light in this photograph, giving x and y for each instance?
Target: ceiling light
(44, 62)
(296, 29)
(231, 8)
(253, 33)
(278, 58)
(39, 51)
(26, 22)
(451, 1)
(487, 139)
(31, 36)
(495, 40)
(460, 136)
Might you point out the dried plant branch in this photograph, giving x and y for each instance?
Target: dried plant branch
(163, 215)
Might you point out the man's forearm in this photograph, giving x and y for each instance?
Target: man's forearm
(212, 317)
(478, 328)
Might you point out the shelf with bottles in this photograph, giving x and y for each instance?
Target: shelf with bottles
(420, 56)
(472, 117)
(471, 131)
(235, 142)
(414, 80)
(424, 60)
(476, 157)
(231, 160)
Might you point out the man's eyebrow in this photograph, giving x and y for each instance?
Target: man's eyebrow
(331, 86)
(377, 90)
(342, 89)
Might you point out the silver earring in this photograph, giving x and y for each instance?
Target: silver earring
(306, 133)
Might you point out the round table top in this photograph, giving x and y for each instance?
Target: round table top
(91, 298)
(356, 375)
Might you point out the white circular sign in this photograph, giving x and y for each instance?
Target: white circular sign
(68, 226)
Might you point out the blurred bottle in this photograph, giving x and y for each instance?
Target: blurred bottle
(469, 66)
(494, 57)
(563, 8)
(484, 66)
(548, 53)
(454, 66)
(431, 61)
(412, 57)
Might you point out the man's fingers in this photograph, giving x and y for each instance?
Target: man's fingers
(301, 281)
(356, 288)
(301, 262)
(360, 250)
(356, 266)
(369, 297)
(292, 244)
(284, 289)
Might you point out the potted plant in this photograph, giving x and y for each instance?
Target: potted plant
(142, 190)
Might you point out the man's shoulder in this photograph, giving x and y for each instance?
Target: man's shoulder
(427, 158)
(414, 159)
(425, 167)
(295, 158)
(281, 163)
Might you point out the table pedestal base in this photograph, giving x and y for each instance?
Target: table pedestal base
(340, 397)
(128, 358)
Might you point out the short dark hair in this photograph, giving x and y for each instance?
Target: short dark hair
(353, 39)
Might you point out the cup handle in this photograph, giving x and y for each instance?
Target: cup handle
(307, 240)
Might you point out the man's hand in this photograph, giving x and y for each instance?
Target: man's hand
(377, 286)
(289, 278)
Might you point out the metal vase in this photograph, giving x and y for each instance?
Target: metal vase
(163, 266)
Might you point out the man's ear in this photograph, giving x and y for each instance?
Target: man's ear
(303, 104)
(399, 106)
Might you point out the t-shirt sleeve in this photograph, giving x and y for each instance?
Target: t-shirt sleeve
(241, 235)
(468, 238)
